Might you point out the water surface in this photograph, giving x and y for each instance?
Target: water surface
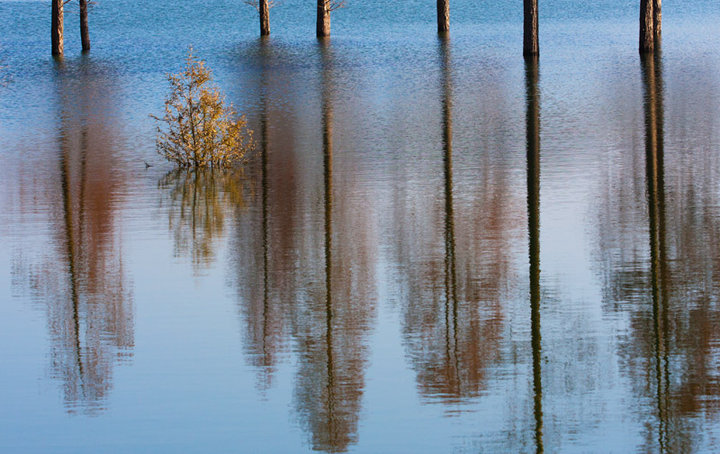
(436, 246)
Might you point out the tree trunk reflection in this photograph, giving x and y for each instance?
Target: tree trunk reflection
(82, 282)
(532, 119)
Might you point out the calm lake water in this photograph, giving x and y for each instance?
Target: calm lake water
(434, 248)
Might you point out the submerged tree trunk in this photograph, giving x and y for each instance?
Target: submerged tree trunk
(443, 16)
(531, 45)
(264, 18)
(84, 32)
(647, 34)
(56, 28)
(323, 18)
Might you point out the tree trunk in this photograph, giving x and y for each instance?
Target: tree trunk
(443, 16)
(657, 18)
(531, 45)
(84, 32)
(56, 28)
(264, 18)
(323, 18)
(647, 35)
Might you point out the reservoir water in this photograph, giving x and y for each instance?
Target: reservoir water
(435, 247)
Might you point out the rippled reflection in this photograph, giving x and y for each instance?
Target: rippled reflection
(670, 293)
(332, 323)
(453, 316)
(402, 275)
(82, 281)
(306, 272)
(268, 249)
(198, 202)
(264, 319)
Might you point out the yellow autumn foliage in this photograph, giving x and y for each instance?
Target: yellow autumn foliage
(200, 130)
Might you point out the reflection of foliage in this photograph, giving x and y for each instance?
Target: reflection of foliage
(660, 271)
(457, 272)
(202, 131)
(332, 325)
(79, 276)
(90, 321)
(198, 202)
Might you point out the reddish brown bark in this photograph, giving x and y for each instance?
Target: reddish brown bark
(56, 28)
(443, 16)
(323, 18)
(647, 33)
(84, 32)
(264, 10)
(531, 44)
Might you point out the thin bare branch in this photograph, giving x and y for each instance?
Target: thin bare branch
(256, 4)
(332, 5)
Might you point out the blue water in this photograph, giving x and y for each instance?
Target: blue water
(400, 288)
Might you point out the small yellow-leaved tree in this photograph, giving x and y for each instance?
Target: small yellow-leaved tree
(200, 130)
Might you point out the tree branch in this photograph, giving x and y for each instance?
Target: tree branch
(256, 4)
(332, 5)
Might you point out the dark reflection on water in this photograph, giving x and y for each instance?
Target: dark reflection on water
(82, 281)
(652, 84)
(532, 121)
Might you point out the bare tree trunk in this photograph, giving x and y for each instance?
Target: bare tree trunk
(56, 28)
(443, 16)
(647, 34)
(323, 18)
(84, 32)
(657, 18)
(264, 18)
(531, 45)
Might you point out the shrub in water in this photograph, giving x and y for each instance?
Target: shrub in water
(200, 130)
